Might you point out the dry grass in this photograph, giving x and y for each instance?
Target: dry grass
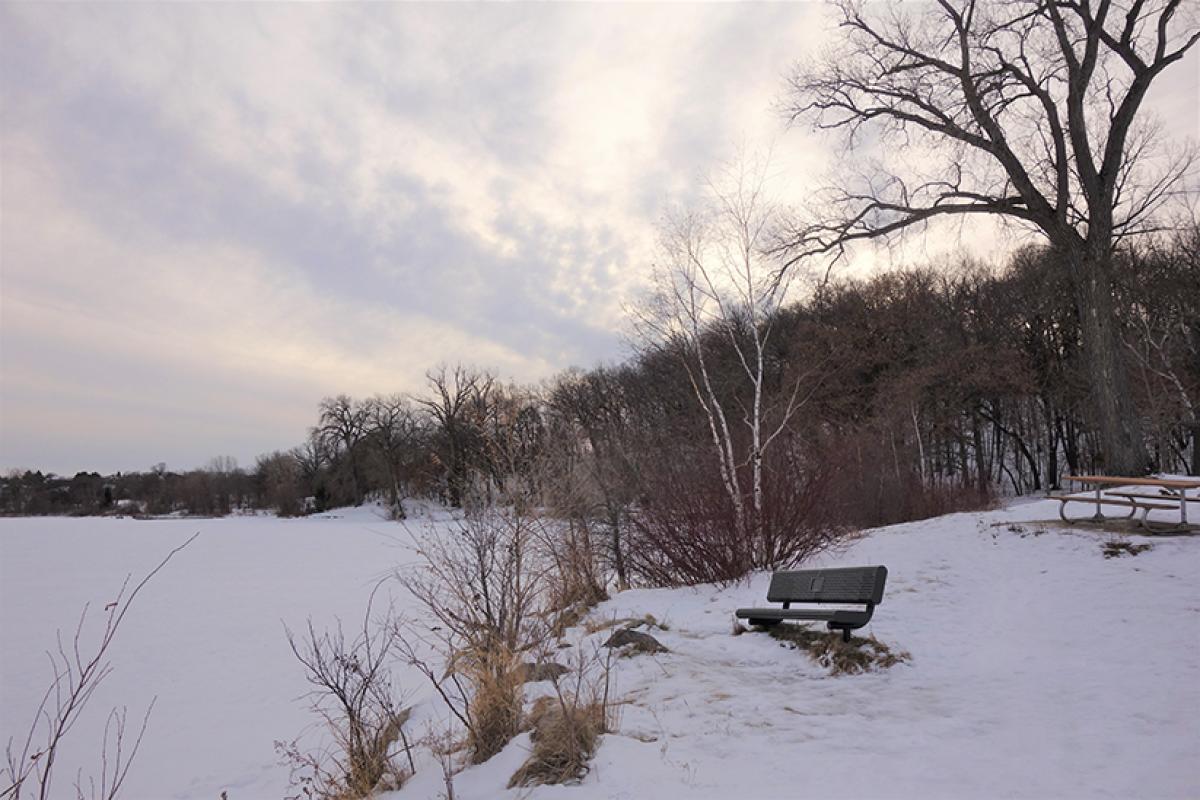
(497, 679)
(1115, 548)
(565, 735)
(629, 623)
(841, 658)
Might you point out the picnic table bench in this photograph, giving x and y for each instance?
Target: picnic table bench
(1172, 496)
(839, 585)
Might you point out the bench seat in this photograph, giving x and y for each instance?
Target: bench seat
(1169, 498)
(852, 618)
(1109, 501)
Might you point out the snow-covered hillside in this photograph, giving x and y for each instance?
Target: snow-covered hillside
(1039, 668)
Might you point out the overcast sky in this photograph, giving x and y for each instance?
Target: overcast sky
(211, 216)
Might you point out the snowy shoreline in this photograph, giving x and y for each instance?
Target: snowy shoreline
(1039, 667)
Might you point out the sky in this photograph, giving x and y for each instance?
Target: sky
(214, 215)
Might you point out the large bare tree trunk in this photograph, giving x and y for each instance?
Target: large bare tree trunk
(1123, 451)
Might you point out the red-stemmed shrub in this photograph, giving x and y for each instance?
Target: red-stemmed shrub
(687, 529)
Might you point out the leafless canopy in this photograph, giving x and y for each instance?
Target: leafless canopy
(1023, 108)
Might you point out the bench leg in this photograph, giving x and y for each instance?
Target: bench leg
(1156, 528)
(1097, 517)
(845, 631)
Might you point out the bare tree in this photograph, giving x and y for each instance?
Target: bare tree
(278, 476)
(714, 282)
(394, 431)
(1026, 109)
(461, 400)
(343, 425)
(597, 404)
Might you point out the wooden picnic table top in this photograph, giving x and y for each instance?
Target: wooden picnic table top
(1117, 480)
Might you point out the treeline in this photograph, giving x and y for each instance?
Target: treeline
(873, 401)
(217, 489)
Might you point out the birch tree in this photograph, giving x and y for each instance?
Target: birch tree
(715, 286)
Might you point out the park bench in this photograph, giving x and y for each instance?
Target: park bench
(841, 585)
(1137, 503)
(1114, 490)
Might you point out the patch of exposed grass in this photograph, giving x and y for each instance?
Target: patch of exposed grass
(841, 658)
(1020, 530)
(629, 623)
(565, 734)
(1115, 548)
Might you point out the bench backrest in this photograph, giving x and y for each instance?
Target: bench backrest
(838, 585)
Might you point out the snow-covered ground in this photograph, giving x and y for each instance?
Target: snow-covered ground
(1039, 668)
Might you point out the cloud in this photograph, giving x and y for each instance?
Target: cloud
(214, 215)
(211, 215)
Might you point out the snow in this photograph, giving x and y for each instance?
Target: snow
(1039, 668)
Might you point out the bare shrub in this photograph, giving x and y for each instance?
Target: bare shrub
(482, 586)
(442, 744)
(688, 532)
(567, 726)
(355, 699)
(573, 582)
(567, 536)
(30, 771)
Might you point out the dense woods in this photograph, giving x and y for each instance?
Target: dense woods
(921, 391)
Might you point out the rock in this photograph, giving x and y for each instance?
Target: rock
(545, 671)
(635, 641)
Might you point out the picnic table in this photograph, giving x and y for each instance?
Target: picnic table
(1171, 495)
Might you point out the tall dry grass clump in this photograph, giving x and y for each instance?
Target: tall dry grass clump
(494, 708)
